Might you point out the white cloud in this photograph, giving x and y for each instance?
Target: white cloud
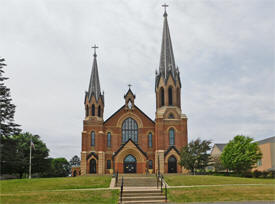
(224, 49)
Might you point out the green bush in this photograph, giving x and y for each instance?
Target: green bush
(256, 174)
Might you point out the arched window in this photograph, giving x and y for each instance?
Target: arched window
(99, 111)
(108, 139)
(150, 164)
(93, 139)
(129, 130)
(171, 136)
(171, 116)
(108, 164)
(170, 96)
(87, 110)
(161, 96)
(150, 140)
(93, 110)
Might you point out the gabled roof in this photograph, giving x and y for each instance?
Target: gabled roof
(123, 145)
(169, 149)
(220, 146)
(122, 108)
(267, 140)
(92, 154)
(129, 92)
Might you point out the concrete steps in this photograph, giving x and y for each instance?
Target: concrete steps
(141, 190)
(138, 182)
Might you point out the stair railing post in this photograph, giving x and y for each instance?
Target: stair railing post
(121, 190)
(161, 183)
(165, 193)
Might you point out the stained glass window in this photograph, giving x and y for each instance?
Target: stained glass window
(108, 139)
(171, 136)
(129, 130)
(93, 138)
(150, 140)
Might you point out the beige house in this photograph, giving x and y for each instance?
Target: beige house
(267, 163)
(217, 150)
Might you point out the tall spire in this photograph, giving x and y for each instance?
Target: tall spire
(167, 61)
(94, 86)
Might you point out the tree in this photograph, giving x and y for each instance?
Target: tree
(7, 109)
(75, 161)
(61, 167)
(195, 155)
(18, 161)
(240, 154)
(217, 163)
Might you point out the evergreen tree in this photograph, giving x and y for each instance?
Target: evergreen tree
(18, 161)
(7, 109)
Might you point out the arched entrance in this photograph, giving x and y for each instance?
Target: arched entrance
(172, 165)
(130, 164)
(92, 166)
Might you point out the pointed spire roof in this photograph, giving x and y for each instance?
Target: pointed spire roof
(167, 60)
(94, 86)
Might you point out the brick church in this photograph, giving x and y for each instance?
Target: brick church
(129, 141)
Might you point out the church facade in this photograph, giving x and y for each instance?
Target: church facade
(129, 141)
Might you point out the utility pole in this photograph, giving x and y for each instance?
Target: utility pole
(30, 164)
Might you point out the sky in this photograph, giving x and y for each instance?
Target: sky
(224, 51)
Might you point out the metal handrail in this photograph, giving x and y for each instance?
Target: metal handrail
(121, 190)
(165, 193)
(162, 185)
(116, 178)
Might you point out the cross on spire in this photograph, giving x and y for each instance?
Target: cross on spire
(95, 47)
(165, 6)
(129, 86)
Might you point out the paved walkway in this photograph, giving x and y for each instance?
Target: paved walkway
(235, 202)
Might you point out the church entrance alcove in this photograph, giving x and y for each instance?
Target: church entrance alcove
(172, 165)
(92, 166)
(130, 164)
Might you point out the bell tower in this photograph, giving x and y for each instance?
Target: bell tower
(171, 124)
(93, 143)
(94, 100)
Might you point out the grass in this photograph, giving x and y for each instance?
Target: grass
(189, 180)
(95, 197)
(224, 193)
(42, 184)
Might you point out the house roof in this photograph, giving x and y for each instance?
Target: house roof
(267, 140)
(220, 146)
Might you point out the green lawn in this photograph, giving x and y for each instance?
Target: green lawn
(95, 197)
(224, 193)
(42, 184)
(189, 180)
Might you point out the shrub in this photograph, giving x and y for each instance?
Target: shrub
(256, 174)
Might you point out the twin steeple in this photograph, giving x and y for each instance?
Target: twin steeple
(94, 86)
(94, 100)
(167, 63)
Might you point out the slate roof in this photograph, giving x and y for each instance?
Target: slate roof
(267, 140)
(94, 85)
(169, 149)
(220, 146)
(123, 145)
(167, 64)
